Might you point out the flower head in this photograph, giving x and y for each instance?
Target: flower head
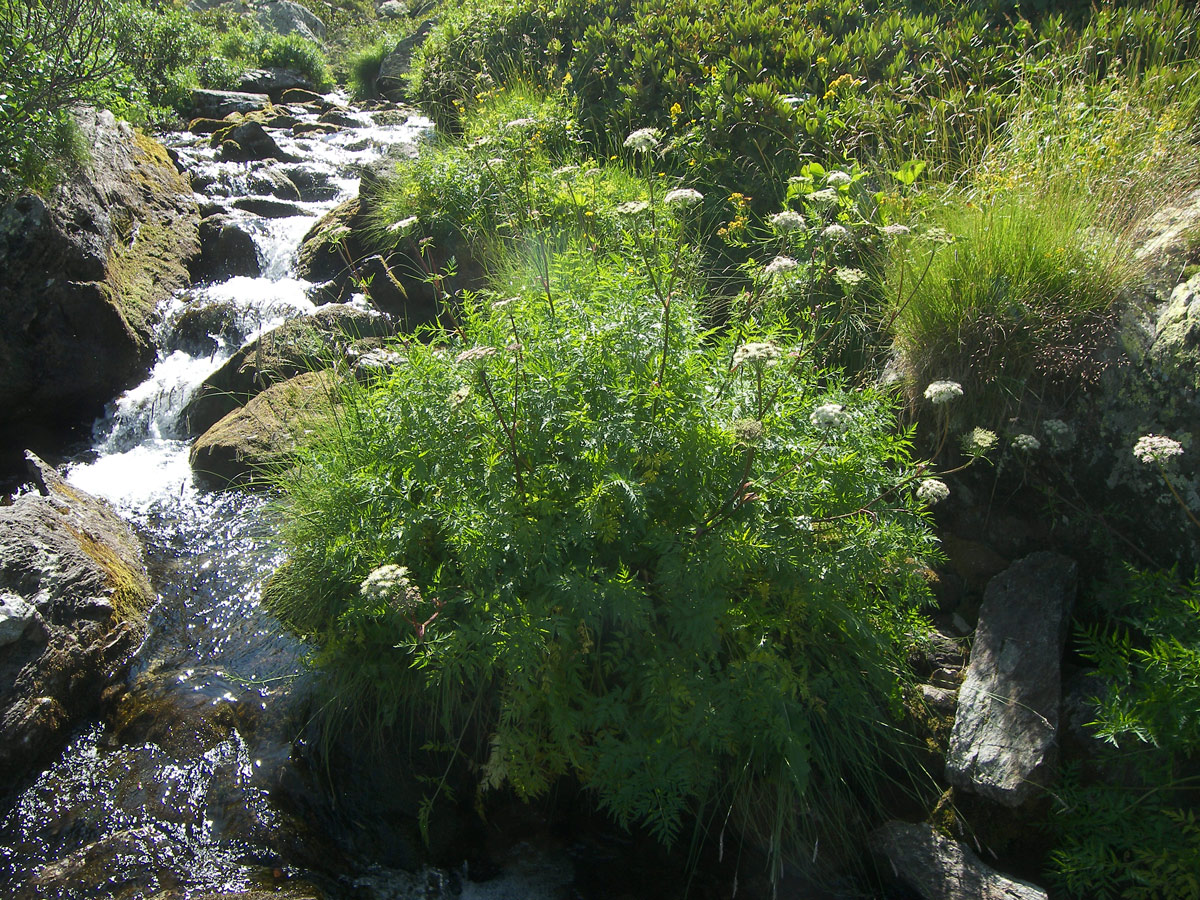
(475, 354)
(835, 232)
(931, 491)
(384, 581)
(849, 278)
(1026, 443)
(779, 265)
(756, 353)
(564, 171)
(838, 178)
(940, 392)
(896, 230)
(1154, 448)
(519, 123)
(643, 140)
(825, 195)
(787, 221)
(978, 441)
(459, 396)
(684, 198)
(633, 207)
(403, 227)
(1060, 435)
(936, 235)
(832, 416)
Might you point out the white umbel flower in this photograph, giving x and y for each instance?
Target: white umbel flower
(643, 140)
(787, 221)
(685, 198)
(1026, 443)
(832, 416)
(779, 266)
(931, 491)
(836, 232)
(1154, 448)
(756, 353)
(941, 392)
(838, 178)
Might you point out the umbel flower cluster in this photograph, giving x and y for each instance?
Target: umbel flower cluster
(1154, 448)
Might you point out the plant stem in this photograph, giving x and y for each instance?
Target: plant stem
(1175, 494)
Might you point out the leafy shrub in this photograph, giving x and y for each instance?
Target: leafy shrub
(677, 566)
(1137, 835)
(364, 67)
(53, 53)
(290, 51)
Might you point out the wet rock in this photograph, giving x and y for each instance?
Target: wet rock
(249, 141)
(1004, 745)
(302, 128)
(341, 118)
(406, 300)
(313, 184)
(392, 81)
(75, 591)
(203, 328)
(325, 249)
(207, 126)
(273, 82)
(298, 95)
(286, 17)
(241, 448)
(84, 270)
(940, 868)
(270, 181)
(226, 250)
(300, 345)
(219, 104)
(269, 208)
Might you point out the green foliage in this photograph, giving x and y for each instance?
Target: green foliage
(364, 67)
(53, 53)
(757, 86)
(633, 556)
(1130, 830)
(1009, 294)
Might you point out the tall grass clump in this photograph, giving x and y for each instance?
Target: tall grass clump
(580, 535)
(1010, 294)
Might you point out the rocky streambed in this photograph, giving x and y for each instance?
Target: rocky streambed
(152, 740)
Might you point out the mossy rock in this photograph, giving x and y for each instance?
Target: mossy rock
(243, 448)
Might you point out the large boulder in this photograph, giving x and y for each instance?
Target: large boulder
(219, 104)
(226, 249)
(85, 268)
(73, 598)
(937, 867)
(392, 81)
(248, 142)
(244, 445)
(286, 17)
(299, 345)
(273, 82)
(1004, 745)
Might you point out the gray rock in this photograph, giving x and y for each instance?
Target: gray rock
(16, 615)
(391, 81)
(84, 271)
(1175, 352)
(273, 82)
(1004, 745)
(72, 567)
(940, 868)
(249, 141)
(1167, 245)
(219, 104)
(313, 184)
(286, 17)
(393, 9)
(270, 181)
(226, 250)
(270, 208)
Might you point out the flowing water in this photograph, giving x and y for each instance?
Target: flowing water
(181, 792)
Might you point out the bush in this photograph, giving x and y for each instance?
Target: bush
(1136, 835)
(678, 567)
(53, 53)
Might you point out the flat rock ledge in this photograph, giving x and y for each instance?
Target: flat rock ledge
(1004, 745)
(73, 598)
(940, 868)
